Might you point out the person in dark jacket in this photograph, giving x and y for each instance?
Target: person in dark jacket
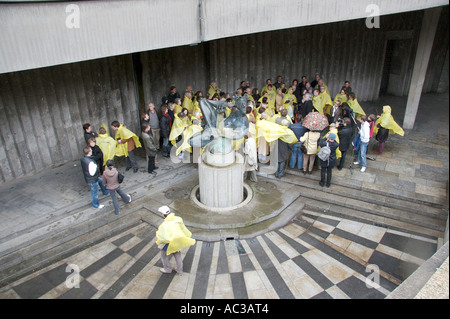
(87, 132)
(345, 133)
(306, 105)
(173, 94)
(97, 154)
(327, 166)
(91, 176)
(296, 154)
(150, 147)
(165, 125)
(283, 153)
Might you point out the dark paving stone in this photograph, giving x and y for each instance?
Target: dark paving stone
(246, 263)
(294, 244)
(278, 253)
(125, 279)
(57, 275)
(269, 269)
(312, 272)
(123, 239)
(238, 284)
(40, 285)
(203, 270)
(333, 253)
(355, 238)
(322, 295)
(133, 251)
(357, 289)
(85, 291)
(161, 286)
(328, 221)
(412, 246)
(240, 248)
(398, 268)
(101, 263)
(188, 259)
(222, 262)
(33, 288)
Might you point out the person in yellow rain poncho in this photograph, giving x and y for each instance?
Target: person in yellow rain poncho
(106, 143)
(188, 132)
(384, 126)
(213, 88)
(353, 103)
(320, 83)
(127, 142)
(322, 101)
(171, 237)
(271, 131)
(341, 96)
(180, 122)
(187, 102)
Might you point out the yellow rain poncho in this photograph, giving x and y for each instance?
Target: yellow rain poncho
(187, 134)
(341, 97)
(172, 231)
(187, 103)
(107, 144)
(178, 127)
(321, 102)
(125, 134)
(387, 121)
(357, 109)
(272, 131)
(212, 90)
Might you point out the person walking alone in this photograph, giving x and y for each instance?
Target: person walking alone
(111, 180)
(172, 236)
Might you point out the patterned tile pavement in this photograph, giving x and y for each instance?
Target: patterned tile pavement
(316, 256)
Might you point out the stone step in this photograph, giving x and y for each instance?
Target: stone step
(391, 196)
(340, 200)
(80, 212)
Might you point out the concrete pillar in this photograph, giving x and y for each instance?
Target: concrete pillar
(426, 40)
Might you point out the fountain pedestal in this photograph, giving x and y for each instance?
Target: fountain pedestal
(221, 181)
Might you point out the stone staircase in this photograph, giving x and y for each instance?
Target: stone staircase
(384, 207)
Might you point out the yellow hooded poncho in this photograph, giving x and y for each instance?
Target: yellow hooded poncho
(124, 134)
(341, 97)
(321, 102)
(187, 134)
(357, 109)
(172, 231)
(107, 144)
(387, 121)
(187, 103)
(272, 131)
(212, 90)
(178, 127)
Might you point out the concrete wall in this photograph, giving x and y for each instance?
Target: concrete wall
(39, 34)
(42, 110)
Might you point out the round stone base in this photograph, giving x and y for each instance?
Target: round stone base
(247, 197)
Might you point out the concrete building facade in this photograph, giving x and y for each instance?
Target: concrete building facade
(60, 69)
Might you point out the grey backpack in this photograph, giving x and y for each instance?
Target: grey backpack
(324, 153)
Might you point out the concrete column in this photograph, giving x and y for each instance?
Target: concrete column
(426, 40)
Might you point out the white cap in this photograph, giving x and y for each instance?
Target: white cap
(164, 210)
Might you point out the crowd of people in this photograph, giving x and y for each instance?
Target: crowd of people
(277, 107)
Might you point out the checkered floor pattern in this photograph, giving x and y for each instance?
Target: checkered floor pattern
(315, 256)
